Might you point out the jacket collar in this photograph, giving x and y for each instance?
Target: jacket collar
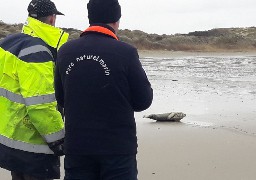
(102, 29)
(53, 36)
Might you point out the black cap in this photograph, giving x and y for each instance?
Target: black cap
(42, 8)
(103, 11)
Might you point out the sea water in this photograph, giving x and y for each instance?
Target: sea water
(213, 91)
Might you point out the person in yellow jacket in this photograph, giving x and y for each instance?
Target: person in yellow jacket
(31, 127)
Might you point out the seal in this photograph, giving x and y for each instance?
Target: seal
(172, 116)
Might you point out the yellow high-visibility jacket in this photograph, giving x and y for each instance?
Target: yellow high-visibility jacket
(28, 115)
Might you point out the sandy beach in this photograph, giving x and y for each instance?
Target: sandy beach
(177, 151)
(215, 141)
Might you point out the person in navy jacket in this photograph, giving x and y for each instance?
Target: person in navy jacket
(100, 83)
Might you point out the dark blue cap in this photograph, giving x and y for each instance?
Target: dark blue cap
(42, 8)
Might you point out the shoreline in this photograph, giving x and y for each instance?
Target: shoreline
(166, 54)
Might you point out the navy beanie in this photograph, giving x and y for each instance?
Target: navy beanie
(103, 11)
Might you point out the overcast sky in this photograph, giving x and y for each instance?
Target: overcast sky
(151, 16)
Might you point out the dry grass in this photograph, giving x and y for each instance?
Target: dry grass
(223, 39)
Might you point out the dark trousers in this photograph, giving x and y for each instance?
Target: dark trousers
(21, 176)
(101, 167)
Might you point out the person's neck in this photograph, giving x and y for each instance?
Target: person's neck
(105, 25)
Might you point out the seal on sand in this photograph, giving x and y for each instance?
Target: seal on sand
(172, 116)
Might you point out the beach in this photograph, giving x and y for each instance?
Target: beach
(177, 151)
(217, 138)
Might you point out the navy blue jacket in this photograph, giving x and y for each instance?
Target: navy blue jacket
(100, 82)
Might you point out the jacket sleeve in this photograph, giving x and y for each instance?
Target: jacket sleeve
(141, 91)
(58, 86)
(36, 87)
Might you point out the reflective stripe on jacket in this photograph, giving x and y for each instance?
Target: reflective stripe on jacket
(29, 118)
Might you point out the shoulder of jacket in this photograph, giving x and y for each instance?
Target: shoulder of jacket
(31, 49)
(20, 40)
(126, 45)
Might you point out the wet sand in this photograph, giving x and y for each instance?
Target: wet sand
(185, 152)
(189, 152)
(199, 147)
(217, 138)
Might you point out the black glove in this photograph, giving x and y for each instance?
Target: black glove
(57, 147)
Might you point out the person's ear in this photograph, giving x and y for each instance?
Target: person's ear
(52, 20)
(116, 25)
